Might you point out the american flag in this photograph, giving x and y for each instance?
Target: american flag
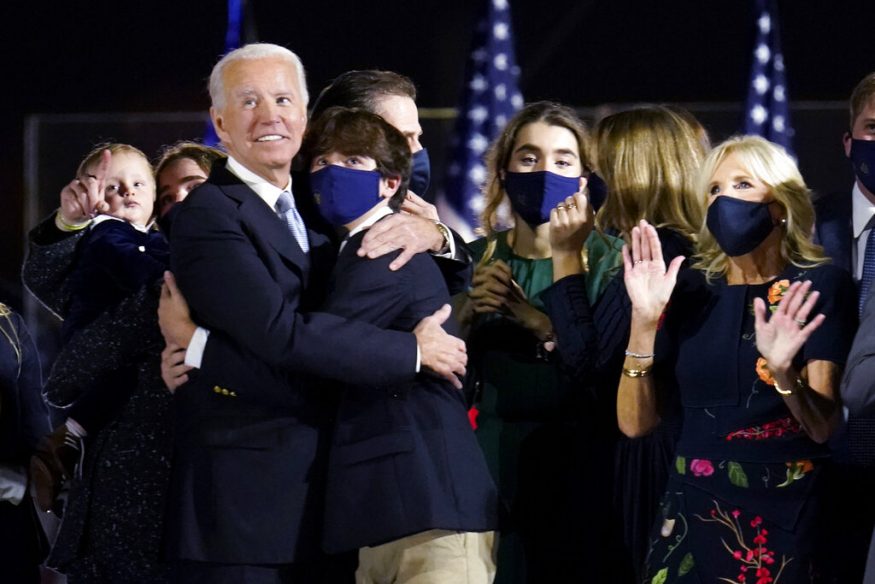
(232, 41)
(490, 97)
(768, 112)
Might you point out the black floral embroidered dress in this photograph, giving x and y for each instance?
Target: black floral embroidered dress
(741, 501)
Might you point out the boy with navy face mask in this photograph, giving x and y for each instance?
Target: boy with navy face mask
(408, 486)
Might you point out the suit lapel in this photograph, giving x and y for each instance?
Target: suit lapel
(261, 218)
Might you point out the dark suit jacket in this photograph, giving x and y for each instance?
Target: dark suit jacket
(403, 457)
(247, 476)
(833, 229)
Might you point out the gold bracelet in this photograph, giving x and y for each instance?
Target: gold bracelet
(799, 385)
(636, 372)
(64, 226)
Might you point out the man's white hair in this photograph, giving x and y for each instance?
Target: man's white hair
(250, 52)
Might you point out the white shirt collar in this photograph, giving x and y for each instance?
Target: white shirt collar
(266, 191)
(378, 214)
(101, 218)
(862, 210)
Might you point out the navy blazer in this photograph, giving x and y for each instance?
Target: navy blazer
(248, 476)
(833, 227)
(403, 457)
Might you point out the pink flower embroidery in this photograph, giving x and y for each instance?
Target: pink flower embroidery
(701, 467)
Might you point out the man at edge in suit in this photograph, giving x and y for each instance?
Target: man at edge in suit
(843, 226)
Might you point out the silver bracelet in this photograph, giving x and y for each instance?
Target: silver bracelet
(639, 355)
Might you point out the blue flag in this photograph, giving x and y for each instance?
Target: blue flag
(490, 97)
(232, 41)
(768, 112)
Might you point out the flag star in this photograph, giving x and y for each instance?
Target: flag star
(778, 93)
(761, 84)
(517, 100)
(500, 61)
(499, 4)
(500, 92)
(759, 114)
(477, 174)
(478, 143)
(778, 123)
(500, 31)
(477, 114)
(500, 120)
(478, 83)
(762, 54)
(479, 55)
(476, 204)
(455, 169)
(764, 23)
(779, 62)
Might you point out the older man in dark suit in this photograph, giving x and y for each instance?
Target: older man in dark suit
(248, 477)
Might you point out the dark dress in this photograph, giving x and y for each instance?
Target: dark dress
(535, 432)
(24, 418)
(592, 340)
(743, 493)
(113, 524)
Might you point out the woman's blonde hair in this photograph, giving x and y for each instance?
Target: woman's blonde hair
(770, 164)
(649, 158)
(498, 156)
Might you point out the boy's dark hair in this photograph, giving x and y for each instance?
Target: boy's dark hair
(359, 132)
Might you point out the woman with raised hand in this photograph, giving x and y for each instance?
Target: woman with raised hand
(649, 157)
(532, 424)
(752, 339)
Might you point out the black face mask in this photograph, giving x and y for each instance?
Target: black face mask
(863, 160)
(739, 226)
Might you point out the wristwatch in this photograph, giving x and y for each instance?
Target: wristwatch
(445, 232)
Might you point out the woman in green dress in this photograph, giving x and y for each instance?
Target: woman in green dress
(531, 422)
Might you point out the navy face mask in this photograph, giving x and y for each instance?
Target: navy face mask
(345, 194)
(739, 226)
(863, 160)
(420, 173)
(534, 194)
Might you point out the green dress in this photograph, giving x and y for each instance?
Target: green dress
(529, 420)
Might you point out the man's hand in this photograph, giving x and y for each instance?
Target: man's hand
(174, 318)
(53, 462)
(174, 371)
(491, 287)
(408, 233)
(84, 197)
(415, 205)
(439, 352)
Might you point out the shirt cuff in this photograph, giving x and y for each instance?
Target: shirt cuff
(75, 428)
(194, 354)
(13, 483)
(418, 359)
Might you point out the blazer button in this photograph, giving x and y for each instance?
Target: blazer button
(217, 389)
(225, 391)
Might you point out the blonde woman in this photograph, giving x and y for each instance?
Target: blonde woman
(752, 340)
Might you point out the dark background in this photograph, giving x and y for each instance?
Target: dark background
(102, 57)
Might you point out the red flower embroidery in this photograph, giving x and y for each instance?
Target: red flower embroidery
(774, 429)
(701, 467)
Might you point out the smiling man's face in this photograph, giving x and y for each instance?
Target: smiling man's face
(264, 116)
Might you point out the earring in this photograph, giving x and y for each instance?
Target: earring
(784, 222)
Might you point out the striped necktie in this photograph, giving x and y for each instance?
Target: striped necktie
(868, 275)
(285, 206)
